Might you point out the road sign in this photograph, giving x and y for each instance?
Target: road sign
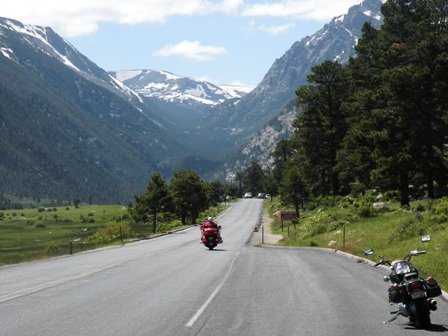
(288, 215)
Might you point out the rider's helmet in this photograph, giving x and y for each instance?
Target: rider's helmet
(210, 219)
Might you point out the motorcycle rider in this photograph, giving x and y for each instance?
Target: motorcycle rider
(210, 223)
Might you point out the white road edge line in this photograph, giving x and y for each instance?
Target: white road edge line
(212, 296)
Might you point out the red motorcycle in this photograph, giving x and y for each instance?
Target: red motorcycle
(210, 234)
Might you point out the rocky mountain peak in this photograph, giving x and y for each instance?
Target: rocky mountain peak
(168, 87)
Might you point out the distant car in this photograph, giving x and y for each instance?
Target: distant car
(261, 195)
(248, 195)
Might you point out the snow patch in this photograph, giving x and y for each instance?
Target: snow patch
(169, 75)
(127, 74)
(372, 15)
(7, 52)
(235, 90)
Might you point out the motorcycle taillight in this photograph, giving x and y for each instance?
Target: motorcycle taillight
(416, 286)
(431, 280)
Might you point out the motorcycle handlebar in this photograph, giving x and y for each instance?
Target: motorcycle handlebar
(382, 262)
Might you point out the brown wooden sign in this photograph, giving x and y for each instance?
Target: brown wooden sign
(289, 215)
(286, 215)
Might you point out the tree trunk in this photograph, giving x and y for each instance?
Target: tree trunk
(154, 222)
(335, 183)
(404, 188)
(430, 182)
(297, 207)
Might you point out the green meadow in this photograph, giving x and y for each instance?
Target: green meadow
(40, 233)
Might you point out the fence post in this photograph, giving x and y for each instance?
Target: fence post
(262, 234)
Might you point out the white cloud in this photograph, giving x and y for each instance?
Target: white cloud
(192, 50)
(321, 10)
(273, 30)
(81, 17)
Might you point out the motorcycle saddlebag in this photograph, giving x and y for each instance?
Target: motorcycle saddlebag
(432, 289)
(395, 296)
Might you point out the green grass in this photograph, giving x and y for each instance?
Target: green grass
(32, 234)
(38, 233)
(390, 234)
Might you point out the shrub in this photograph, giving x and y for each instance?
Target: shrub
(110, 233)
(366, 211)
(52, 249)
(420, 208)
(439, 218)
(408, 229)
(39, 225)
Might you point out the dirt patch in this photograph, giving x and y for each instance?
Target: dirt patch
(269, 237)
(263, 233)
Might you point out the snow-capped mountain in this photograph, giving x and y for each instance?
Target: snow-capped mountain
(335, 41)
(171, 88)
(69, 128)
(45, 40)
(270, 103)
(85, 131)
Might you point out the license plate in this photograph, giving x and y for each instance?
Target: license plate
(418, 295)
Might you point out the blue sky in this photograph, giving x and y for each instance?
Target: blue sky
(222, 41)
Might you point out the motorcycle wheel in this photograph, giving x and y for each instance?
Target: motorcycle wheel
(420, 313)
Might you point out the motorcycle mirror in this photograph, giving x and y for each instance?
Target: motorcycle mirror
(368, 251)
(220, 227)
(386, 278)
(425, 238)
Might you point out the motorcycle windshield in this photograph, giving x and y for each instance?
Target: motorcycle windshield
(402, 267)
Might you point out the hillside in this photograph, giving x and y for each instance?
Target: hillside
(335, 41)
(68, 128)
(272, 101)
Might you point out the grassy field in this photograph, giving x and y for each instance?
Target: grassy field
(44, 232)
(353, 228)
(38, 233)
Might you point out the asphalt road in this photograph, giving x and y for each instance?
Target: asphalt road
(173, 285)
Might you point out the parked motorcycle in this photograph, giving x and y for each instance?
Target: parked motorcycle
(410, 293)
(210, 237)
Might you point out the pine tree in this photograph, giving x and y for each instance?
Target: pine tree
(189, 194)
(155, 199)
(321, 126)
